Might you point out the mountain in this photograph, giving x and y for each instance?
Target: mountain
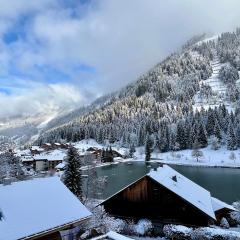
(188, 100)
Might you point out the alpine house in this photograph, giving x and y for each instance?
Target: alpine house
(166, 196)
(39, 209)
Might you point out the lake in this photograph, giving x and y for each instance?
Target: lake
(223, 183)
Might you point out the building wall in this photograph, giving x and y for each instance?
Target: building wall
(53, 164)
(41, 165)
(148, 199)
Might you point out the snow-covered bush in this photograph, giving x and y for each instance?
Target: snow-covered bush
(207, 233)
(101, 220)
(177, 232)
(204, 233)
(224, 223)
(234, 217)
(215, 144)
(143, 227)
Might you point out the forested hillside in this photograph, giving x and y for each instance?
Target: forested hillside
(162, 103)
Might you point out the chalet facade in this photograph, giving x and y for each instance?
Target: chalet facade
(39, 209)
(166, 196)
(46, 162)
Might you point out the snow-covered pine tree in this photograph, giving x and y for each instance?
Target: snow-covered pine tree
(231, 138)
(72, 177)
(132, 150)
(148, 148)
(202, 138)
(217, 130)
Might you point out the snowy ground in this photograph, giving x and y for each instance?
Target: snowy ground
(211, 158)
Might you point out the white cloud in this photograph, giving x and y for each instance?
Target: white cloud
(120, 39)
(35, 98)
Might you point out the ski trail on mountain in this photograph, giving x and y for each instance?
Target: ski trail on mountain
(218, 88)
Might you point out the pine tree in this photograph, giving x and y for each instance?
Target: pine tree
(103, 155)
(231, 138)
(202, 138)
(132, 150)
(72, 176)
(217, 131)
(148, 148)
(180, 137)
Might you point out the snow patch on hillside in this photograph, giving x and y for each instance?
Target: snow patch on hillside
(218, 88)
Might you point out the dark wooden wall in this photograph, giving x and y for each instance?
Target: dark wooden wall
(148, 199)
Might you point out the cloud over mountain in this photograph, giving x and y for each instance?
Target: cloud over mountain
(88, 48)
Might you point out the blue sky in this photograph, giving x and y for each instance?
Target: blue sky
(57, 54)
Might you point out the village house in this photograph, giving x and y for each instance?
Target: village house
(39, 209)
(47, 146)
(47, 162)
(53, 146)
(36, 150)
(166, 196)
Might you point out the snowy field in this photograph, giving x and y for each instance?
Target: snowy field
(212, 158)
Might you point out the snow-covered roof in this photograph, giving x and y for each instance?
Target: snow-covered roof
(55, 155)
(33, 206)
(61, 165)
(185, 188)
(218, 204)
(37, 148)
(27, 159)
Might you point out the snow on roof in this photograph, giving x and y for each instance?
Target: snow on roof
(185, 188)
(37, 148)
(33, 206)
(218, 204)
(27, 159)
(55, 155)
(61, 165)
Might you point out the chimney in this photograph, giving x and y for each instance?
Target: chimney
(174, 178)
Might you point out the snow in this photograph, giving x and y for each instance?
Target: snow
(218, 87)
(55, 155)
(210, 158)
(37, 148)
(212, 38)
(116, 236)
(182, 232)
(83, 145)
(61, 165)
(37, 205)
(218, 204)
(199, 197)
(27, 159)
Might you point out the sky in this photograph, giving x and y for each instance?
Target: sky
(63, 54)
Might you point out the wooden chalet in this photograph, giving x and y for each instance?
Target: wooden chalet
(166, 196)
(46, 162)
(47, 146)
(221, 209)
(36, 150)
(39, 209)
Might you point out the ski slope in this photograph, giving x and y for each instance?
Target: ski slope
(218, 88)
